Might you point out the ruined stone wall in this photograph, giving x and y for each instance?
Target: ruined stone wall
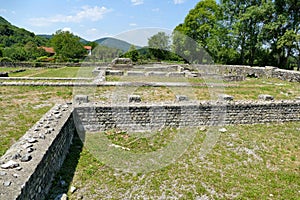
(138, 117)
(28, 167)
(45, 64)
(259, 72)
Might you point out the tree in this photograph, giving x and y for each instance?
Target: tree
(159, 45)
(260, 32)
(132, 53)
(104, 53)
(67, 46)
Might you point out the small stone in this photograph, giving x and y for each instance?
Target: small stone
(49, 130)
(81, 99)
(10, 165)
(134, 98)
(223, 130)
(58, 116)
(7, 183)
(16, 156)
(73, 189)
(26, 158)
(265, 97)
(19, 168)
(15, 175)
(202, 128)
(31, 140)
(61, 197)
(42, 136)
(47, 126)
(225, 97)
(180, 98)
(3, 173)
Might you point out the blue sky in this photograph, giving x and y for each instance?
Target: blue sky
(93, 19)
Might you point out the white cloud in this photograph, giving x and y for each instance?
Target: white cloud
(137, 2)
(86, 13)
(179, 1)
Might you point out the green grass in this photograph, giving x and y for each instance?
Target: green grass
(247, 162)
(22, 107)
(68, 72)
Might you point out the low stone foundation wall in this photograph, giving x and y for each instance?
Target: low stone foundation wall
(45, 64)
(259, 72)
(139, 117)
(28, 167)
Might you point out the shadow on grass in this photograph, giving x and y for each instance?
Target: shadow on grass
(63, 179)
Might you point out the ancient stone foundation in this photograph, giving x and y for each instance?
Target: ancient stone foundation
(28, 167)
(141, 117)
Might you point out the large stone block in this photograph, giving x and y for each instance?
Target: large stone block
(81, 99)
(181, 98)
(265, 97)
(134, 99)
(225, 97)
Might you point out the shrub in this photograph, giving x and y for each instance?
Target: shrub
(6, 59)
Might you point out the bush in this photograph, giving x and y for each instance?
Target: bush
(6, 59)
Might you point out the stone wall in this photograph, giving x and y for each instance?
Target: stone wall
(259, 72)
(28, 167)
(139, 117)
(45, 64)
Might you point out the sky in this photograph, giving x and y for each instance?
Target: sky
(132, 20)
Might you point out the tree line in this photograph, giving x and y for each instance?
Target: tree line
(239, 32)
(243, 32)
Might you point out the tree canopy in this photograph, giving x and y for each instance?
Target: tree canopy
(261, 32)
(67, 46)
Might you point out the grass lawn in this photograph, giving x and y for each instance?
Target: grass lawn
(22, 107)
(247, 162)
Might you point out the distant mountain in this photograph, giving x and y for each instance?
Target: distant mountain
(114, 43)
(11, 35)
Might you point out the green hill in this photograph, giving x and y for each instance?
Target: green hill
(11, 35)
(114, 43)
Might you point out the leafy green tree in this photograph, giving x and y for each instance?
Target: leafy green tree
(15, 53)
(132, 53)
(104, 53)
(260, 32)
(159, 45)
(67, 46)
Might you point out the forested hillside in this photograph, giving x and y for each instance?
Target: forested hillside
(13, 36)
(18, 44)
